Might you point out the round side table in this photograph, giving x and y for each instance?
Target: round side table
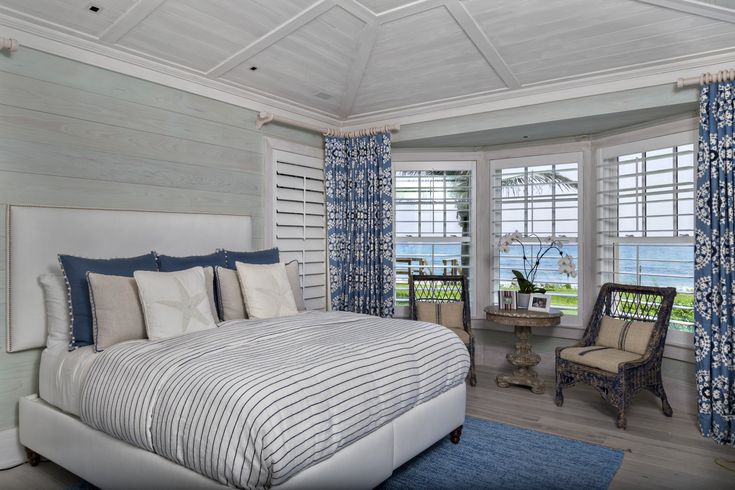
(523, 359)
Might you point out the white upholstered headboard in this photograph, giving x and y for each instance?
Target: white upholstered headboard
(35, 236)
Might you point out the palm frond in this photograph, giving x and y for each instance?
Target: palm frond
(516, 183)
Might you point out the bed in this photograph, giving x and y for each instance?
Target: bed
(57, 425)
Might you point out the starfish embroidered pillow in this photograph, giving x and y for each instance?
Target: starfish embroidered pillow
(266, 290)
(174, 303)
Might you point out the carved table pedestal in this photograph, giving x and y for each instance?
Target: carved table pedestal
(523, 358)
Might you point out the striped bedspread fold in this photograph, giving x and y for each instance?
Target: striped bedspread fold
(254, 402)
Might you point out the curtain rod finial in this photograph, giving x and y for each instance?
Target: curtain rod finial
(8, 43)
(263, 118)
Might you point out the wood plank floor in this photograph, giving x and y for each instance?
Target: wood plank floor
(660, 452)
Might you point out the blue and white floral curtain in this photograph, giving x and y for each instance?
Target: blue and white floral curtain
(714, 268)
(359, 185)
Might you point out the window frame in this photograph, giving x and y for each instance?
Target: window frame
(674, 337)
(539, 159)
(446, 162)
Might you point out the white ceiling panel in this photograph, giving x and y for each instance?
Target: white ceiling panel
(423, 57)
(199, 34)
(311, 65)
(359, 58)
(544, 41)
(379, 6)
(73, 14)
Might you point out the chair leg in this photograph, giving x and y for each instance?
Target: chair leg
(471, 375)
(621, 422)
(559, 398)
(659, 391)
(665, 406)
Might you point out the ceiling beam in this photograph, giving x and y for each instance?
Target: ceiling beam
(358, 10)
(701, 9)
(482, 43)
(358, 67)
(131, 18)
(272, 37)
(408, 10)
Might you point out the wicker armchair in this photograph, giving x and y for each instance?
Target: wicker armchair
(445, 289)
(635, 371)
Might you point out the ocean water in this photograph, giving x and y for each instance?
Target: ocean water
(656, 265)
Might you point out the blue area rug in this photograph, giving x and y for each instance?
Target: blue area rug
(498, 456)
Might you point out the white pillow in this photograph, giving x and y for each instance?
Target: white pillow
(174, 303)
(209, 277)
(266, 290)
(58, 324)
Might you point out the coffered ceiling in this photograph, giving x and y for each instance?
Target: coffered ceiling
(348, 59)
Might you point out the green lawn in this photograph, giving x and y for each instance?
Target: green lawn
(568, 304)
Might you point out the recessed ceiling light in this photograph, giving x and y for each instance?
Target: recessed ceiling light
(324, 96)
(253, 68)
(525, 137)
(94, 9)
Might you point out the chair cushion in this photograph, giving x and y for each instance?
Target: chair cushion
(600, 357)
(462, 334)
(446, 314)
(623, 334)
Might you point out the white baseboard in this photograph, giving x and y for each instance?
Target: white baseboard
(11, 452)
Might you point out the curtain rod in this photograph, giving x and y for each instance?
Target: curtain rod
(8, 43)
(264, 118)
(705, 78)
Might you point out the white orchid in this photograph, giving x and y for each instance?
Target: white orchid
(567, 266)
(506, 241)
(531, 264)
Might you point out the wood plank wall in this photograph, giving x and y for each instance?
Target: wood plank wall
(76, 135)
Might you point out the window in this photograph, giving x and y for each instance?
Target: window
(433, 221)
(538, 197)
(646, 220)
(299, 216)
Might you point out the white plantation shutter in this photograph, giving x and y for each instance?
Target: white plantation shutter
(538, 195)
(300, 226)
(645, 218)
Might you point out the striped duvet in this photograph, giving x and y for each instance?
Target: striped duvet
(254, 402)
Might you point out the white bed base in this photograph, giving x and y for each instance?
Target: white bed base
(110, 463)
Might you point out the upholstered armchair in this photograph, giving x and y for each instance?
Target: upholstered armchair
(621, 351)
(444, 300)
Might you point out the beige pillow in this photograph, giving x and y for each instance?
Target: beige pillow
(622, 334)
(231, 304)
(116, 312)
(292, 270)
(266, 290)
(174, 303)
(446, 314)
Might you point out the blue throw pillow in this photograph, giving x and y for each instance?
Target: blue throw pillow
(167, 263)
(75, 273)
(269, 256)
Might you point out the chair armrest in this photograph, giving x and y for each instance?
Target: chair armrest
(643, 361)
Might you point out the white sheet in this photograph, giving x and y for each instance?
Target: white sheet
(62, 375)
